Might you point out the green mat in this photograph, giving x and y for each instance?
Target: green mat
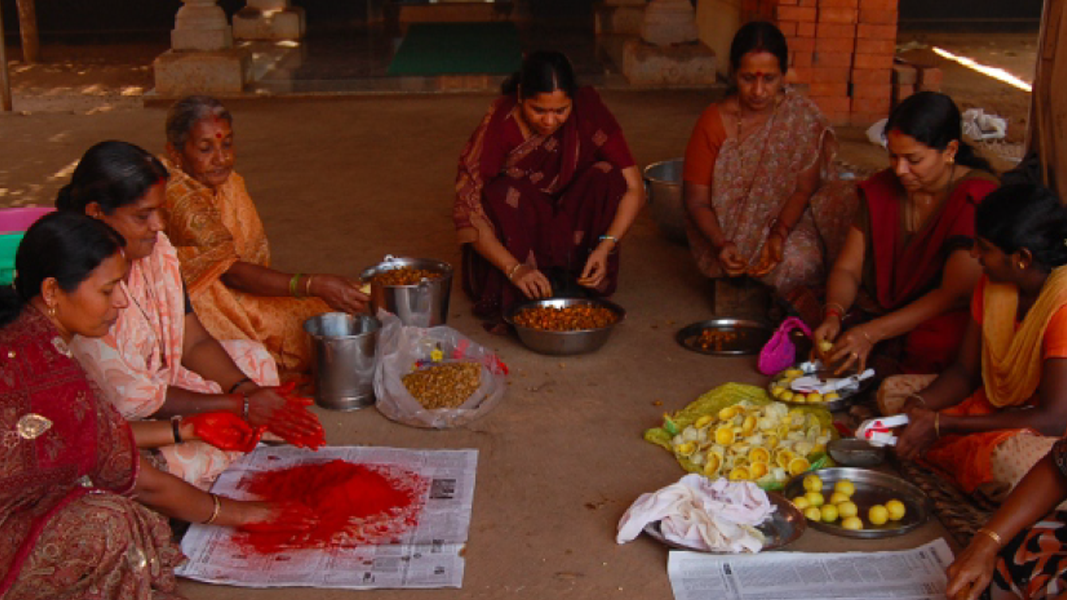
(458, 48)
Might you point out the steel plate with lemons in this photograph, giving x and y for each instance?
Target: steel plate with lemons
(779, 388)
(737, 431)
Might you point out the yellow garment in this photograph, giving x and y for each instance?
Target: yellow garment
(1011, 360)
(212, 230)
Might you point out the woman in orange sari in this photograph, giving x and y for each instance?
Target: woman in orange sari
(225, 259)
(999, 408)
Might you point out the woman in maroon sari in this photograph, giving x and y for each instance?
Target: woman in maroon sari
(905, 274)
(546, 190)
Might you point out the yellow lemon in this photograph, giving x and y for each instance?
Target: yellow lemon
(724, 435)
(846, 487)
(896, 509)
(739, 474)
(812, 483)
(838, 498)
(854, 523)
(759, 454)
(749, 425)
(703, 421)
(782, 458)
(815, 398)
(826, 346)
(829, 513)
(831, 397)
(757, 470)
(714, 464)
(799, 398)
(686, 449)
(728, 413)
(777, 391)
(770, 442)
(801, 502)
(847, 509)
(798, 465)
(792, 373)
(813, 513)
(787, 396)
(877, 515)
(815, 499)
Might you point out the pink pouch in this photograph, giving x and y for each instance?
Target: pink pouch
(779, 353)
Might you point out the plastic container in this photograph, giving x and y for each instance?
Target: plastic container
(343, 354)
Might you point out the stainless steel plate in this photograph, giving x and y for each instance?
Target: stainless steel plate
(848, 396)
(872, 487)
(783, 527)
(853, 452)
(751, 336)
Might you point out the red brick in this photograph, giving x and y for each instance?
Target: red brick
(798, 75)
(811, 3)
(905, 74)
(837, 118)
(788, 28)
(835, 30)
(930, 79)
(872, 90)
(838, 15)
(871, 105)
(879, 4)
(833, 59)
(872, 61)
(878, 17)
(876, 47)
(833, 104)
(802, 59)
(901, 92)
(796, 13)
(864, 119)
(866, 31)
(802, 44)
(871, 76)
(828, 75)
(835, 45)
(806, 29)
(789, 2)
(828, 89)
(839, 3)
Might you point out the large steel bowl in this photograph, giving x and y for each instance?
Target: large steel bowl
(562, 343)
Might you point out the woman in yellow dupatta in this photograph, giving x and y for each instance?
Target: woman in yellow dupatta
(225, 259)
(1014, 352)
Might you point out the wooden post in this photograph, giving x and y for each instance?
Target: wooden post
(5, 83)
(31, 42)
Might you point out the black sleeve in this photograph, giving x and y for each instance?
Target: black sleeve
(188, 302)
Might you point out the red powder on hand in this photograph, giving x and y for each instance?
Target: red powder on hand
(355, 504)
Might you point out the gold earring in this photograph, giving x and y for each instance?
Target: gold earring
(52, 311)
(1022, 266)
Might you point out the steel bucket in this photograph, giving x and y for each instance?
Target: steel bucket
(343, 348)
(424, 304)
(663, 186)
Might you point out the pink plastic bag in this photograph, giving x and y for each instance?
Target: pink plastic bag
(779, 353)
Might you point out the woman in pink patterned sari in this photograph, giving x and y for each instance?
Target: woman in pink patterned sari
(761, 191)
(546, 190)
(158, 361)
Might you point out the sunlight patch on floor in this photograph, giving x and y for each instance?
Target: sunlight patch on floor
(994, 72)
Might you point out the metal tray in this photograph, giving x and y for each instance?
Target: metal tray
(848, 396)
(784, 526)
(872, 487)
(752, 336)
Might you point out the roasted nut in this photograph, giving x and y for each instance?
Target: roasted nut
(444, 386)
(570, 318)
(404, 276)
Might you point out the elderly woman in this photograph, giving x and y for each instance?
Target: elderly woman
(158, 361)
(225, 259)
(73, 488)
(761, 192)
(546, 191)
(906, 271)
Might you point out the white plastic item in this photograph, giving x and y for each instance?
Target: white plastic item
(877, 432)
(813, 383)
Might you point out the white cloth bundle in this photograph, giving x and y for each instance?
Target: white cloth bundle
(718, 516)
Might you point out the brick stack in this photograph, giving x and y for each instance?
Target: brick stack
(841, 52)
(909, 78)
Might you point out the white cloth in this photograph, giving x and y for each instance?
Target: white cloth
(718, 516)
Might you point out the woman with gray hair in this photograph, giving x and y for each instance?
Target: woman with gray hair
(225, 257)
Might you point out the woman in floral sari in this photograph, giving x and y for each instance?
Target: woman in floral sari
(546, 190)
(999, 408)
(225, 259)
(70, 468)
(761, 191)
(158, 361)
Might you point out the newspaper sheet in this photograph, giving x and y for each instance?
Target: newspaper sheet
(916, 574)
(430, 554)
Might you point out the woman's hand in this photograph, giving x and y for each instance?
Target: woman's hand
(340, 293)
(919, 434)
(733, 264)
(827, 331)
(274, 517)
(852, 349)
(224, 430)
(596, 267)
(969, 575)
(286, 415)
(770, 256)
(531, 282)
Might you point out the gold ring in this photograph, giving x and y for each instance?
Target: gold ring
(855, 355)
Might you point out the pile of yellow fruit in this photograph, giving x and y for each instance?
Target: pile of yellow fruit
(840, 505)
(780, 390)
(766, 443)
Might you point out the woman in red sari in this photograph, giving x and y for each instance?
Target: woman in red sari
(905, 274)
(546, 190)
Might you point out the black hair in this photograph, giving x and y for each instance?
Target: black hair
(759, 36)
(66, 246)
(1027, 216)
(184, 114)
(934, 120)
(112, 174)
(542, 72)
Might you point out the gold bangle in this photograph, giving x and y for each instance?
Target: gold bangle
(869, 340)
(511, 272)
(216, 511)
(834, 305)
(917, 396)
(937, 424)
(992, 535)
(307, 285)
(292, 285)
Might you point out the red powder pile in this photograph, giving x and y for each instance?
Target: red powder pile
(355, 504)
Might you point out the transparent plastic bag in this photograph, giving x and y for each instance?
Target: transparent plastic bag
(403, 349)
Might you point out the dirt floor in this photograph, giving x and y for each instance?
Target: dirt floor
(342, 181)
